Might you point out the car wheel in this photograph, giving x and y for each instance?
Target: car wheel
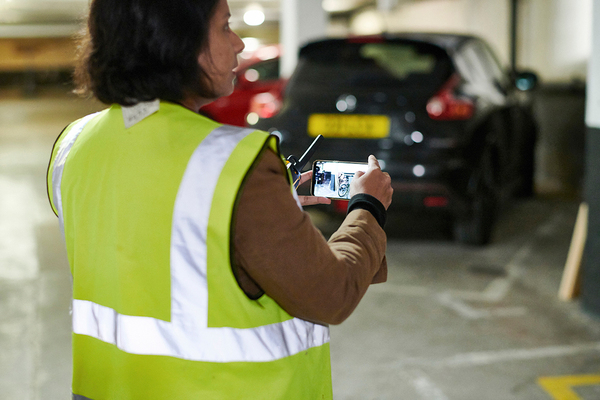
(475, 226)
(343, 190)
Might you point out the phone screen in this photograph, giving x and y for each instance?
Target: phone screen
(332, 178)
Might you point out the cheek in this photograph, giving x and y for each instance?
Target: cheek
(222, 60)
(215, 63)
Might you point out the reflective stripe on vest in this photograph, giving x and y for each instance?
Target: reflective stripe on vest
(187, 335)
(59, 164)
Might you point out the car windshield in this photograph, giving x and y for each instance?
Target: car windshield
(341, 64)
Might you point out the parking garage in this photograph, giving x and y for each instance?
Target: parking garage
(453, 322)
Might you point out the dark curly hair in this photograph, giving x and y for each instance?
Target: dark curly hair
(140, 50)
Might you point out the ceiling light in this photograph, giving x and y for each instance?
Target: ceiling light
(251, 44)
(254, 15)
(336, 6)
(369, 22)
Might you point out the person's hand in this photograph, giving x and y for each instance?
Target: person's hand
(311, 200)
(374, 182)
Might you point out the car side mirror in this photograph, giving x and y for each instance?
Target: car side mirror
(526, 81)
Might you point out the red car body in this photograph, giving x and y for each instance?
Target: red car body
(259, 74)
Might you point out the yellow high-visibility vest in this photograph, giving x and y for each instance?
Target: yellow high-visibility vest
(146, 212)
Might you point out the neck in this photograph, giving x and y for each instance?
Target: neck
(195, 103)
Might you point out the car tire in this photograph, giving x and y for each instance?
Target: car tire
(343, 190)
(526, 186)
(476, 225)
(476, 229)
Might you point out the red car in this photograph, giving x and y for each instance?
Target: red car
(255, 76)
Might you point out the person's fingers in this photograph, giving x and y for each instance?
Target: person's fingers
(312, 200)
(358, 174)
(305, 176)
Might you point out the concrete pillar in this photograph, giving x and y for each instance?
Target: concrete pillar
(301, 21)
(386, 5)
(590, 288)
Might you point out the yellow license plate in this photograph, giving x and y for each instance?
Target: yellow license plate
(354, 126)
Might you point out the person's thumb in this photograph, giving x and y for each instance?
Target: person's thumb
(373, 163)
(358, 174)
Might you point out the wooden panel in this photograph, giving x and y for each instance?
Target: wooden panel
(569, 285)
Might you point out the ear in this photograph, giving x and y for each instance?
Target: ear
(204, 58)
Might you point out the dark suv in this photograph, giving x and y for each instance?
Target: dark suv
(450, 126)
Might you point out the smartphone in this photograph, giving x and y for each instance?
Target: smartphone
(332, 178)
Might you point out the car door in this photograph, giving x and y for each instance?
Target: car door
(516, 118)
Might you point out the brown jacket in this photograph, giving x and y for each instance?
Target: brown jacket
(277, 249)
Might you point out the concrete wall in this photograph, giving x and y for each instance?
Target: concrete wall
(554, 36)
(560, 151)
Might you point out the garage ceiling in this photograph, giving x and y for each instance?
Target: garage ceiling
(68, 11)
(55, 17)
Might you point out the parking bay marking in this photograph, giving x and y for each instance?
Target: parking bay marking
(561, 387)
(496, 290)
(474, 359)
(424, 386)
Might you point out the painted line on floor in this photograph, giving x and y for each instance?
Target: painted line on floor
(561, 387)
(447, 300)
(495, 291)
(402, 290)
(498, 288)
(468, 312)
(474, 359)
(424, 386)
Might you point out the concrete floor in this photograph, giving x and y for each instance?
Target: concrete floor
(451, 323)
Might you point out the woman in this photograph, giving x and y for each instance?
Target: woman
(196, 275)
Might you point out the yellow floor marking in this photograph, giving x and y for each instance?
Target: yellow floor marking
(561, 387)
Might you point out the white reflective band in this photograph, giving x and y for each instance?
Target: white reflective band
(149, 336)
(189, 291)
(59, 164)
(187, 335)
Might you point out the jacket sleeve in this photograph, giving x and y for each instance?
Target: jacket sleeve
(278, 250)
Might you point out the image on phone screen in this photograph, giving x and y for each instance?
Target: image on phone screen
(332, 178)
